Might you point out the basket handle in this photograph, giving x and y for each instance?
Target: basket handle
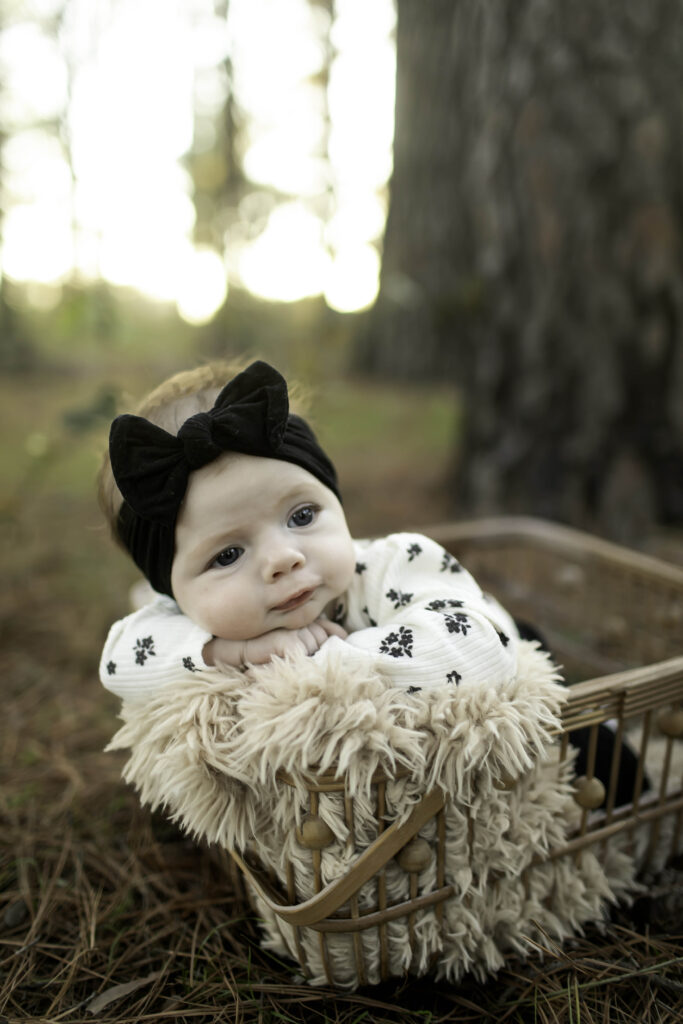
(371, 860)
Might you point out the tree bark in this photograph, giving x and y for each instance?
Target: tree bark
(533, 250)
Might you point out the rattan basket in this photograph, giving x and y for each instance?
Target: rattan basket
(614, 620)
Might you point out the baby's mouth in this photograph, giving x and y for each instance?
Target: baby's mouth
(295, 600)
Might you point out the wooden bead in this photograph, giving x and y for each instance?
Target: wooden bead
(314, 834)
(590, 793)
(415, 855)
(670, 722)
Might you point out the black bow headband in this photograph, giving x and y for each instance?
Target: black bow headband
(152, 467)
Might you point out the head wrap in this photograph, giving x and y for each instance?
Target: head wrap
(152, 467)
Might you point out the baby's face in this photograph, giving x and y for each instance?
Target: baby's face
(260, 545)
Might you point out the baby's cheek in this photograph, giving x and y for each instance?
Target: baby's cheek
(204, 605)
(234, 617)
(347, 562)
(225, 622)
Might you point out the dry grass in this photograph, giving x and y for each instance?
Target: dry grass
(128, 927)
(107, 914)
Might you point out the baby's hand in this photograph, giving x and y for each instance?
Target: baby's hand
(281, 642)
(315, 635)
(277, 643)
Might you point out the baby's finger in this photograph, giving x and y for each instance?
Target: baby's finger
(319, 633)
(333, 628)
(308, 640)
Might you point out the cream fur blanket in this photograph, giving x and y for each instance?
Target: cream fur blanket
(210, 753)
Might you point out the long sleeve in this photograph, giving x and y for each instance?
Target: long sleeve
(424, 619)
(151, 648)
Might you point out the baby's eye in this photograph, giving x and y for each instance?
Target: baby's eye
(227, 557)
(303, 516)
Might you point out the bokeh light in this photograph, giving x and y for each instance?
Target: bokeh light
(102, 113)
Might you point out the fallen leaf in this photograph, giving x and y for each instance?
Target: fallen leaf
(110, 995)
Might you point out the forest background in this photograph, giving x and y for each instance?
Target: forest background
(458, 224)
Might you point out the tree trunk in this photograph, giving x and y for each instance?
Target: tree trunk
(533, 250)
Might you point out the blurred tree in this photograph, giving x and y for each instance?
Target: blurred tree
(234, 209)
(533, 250)
(214, 161)
(18, 350)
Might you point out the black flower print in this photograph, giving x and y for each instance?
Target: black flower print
(413, 551)
(398, 645)
(111, 668)
(398, 599)
(414, 689)
(439, 604)
(144, 648)
(449, 563)
(505, 640)
(369, 616)
(453, 677)
(189, 665)
(361, 567)
(457, 623)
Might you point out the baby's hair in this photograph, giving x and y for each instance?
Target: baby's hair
(168, 406)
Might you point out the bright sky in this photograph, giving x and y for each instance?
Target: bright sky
(124, 77)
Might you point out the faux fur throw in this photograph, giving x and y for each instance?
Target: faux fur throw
(212, 754)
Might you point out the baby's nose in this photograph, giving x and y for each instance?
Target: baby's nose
(283, 560)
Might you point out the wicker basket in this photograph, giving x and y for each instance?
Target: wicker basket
(609, 614)
(614, 620)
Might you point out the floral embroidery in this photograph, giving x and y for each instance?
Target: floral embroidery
(505, 640)
(361, 567)
(398, 599)
(449, 563)
(413, 551)
(399, 644)
(414, 689)
(453, 677)
(111, 668)
(458, 623)
(144, 648)
(189, 665)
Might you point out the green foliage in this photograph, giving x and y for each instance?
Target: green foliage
(17, 349)
(100, 410)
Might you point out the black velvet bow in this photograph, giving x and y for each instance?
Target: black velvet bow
(152, 467)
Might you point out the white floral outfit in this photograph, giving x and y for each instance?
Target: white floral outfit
(411, 609)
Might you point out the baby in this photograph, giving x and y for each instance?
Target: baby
(231, 509)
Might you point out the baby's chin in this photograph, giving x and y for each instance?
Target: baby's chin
(303, 616)
(299, 618)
